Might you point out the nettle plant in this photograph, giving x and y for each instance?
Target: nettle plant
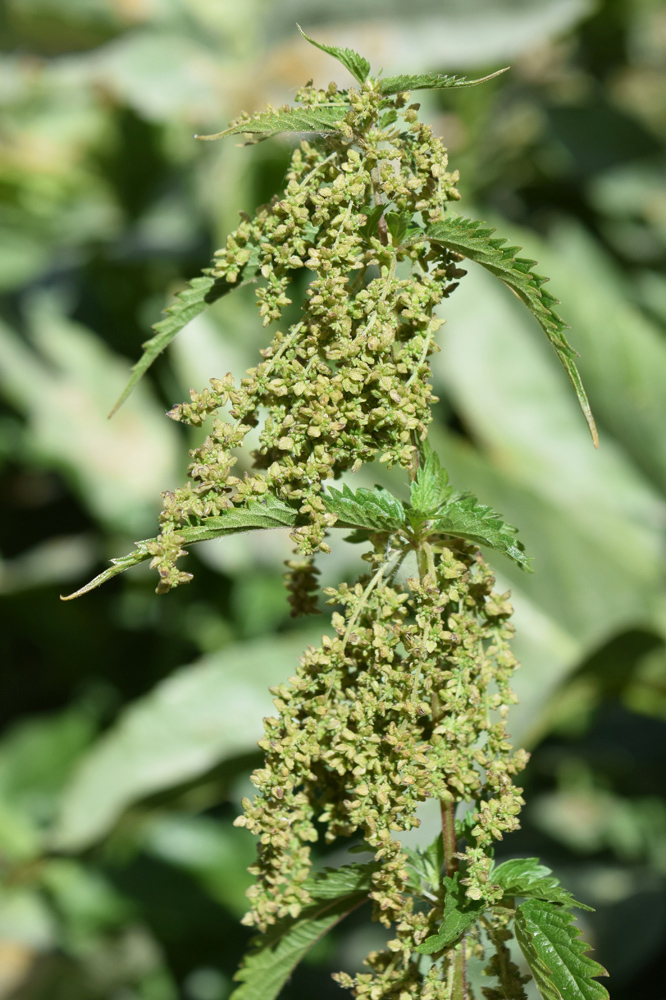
(406, 698)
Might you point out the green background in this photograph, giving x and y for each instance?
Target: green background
(129, 720)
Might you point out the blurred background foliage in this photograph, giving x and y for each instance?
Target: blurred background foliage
(129, 721)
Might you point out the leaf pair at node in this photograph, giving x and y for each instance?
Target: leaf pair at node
(433, 511)
(359, 67)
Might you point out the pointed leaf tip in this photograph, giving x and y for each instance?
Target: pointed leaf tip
(432, 81)
(474, 240)
(356, 64)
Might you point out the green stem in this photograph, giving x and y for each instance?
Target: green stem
(459, 991)
(426, 565)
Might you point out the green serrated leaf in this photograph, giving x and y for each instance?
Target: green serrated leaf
(118, 565)
(528, 877)
(469, 238)
(398, 224)
(430, 490)
(425, 865)
(467, 518)
(388, 119)
(358, 66)
(376, 510)
(555, 953)
(373, 214)
(431, 81)
(201, 292)
(268, 512)
(320, 118)
(460, 913)
(266, 968)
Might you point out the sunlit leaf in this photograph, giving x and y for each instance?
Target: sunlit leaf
(431, 81)
(358, 66)
(267, 513)
(467, 518)
(322, 118)
(555, 953)
(376, 510)
(202, 291)
(469, 238)
(528, 877)
(430, 489)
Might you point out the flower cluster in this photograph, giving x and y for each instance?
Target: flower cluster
(348, 382)
(406, 698)
(405, 702)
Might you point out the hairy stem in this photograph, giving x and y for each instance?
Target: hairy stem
(425, 560)
(459, 991)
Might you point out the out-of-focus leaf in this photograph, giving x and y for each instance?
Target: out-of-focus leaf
(623, 355)
(162, 75)
(215, 853)
(600, 135)
(22, 257)
(587, 819)
(85, 899)
(117, 467)
(198, 717)
(425, 35)
(25, 917)
(36, 759)
(54, 561)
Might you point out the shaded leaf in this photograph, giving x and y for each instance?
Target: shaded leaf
(398, 224)
(527, 877)
(358, 66)
(467, 518)
(202, 291)
(320, 118)
(373, 214)
(266, 968)
(377, 510)
(460, 913)
(555, 953)
(426, 865)
(431, 81)
(469, 238)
